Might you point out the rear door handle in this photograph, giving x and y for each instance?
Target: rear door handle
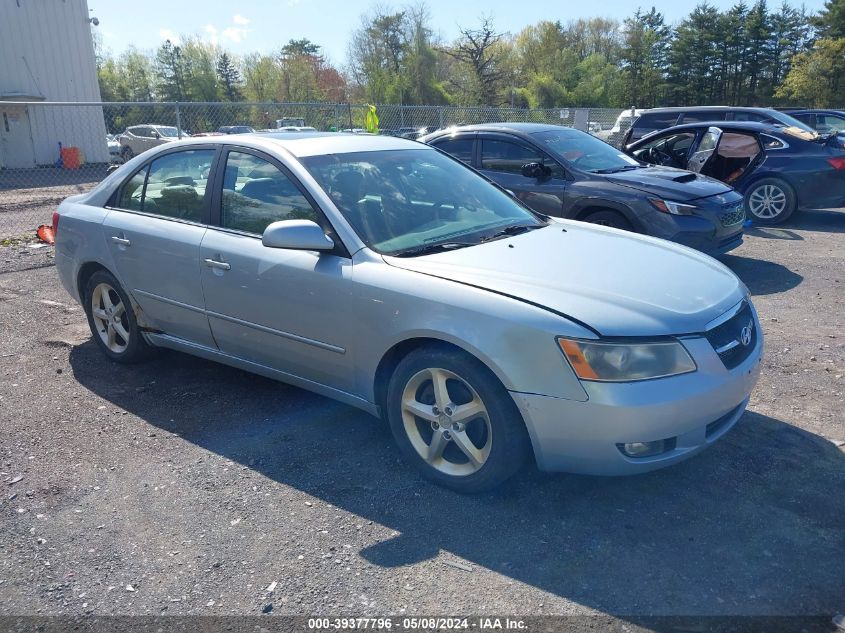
(212, 263)
(120, 240)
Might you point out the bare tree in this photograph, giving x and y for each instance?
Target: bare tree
(478, 49)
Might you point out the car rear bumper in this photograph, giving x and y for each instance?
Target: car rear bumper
(690, 412)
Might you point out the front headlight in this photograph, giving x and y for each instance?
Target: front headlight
(673, 208)
(626, 361)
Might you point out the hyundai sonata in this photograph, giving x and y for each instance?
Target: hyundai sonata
(389, 276)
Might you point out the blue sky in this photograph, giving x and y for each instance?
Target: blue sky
(264, 25)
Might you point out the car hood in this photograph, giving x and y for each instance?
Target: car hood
(670, 183)
(617, 283)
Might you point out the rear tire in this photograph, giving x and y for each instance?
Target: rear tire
(454, 421)
(112, 320)
(609, 218)
(770, 201)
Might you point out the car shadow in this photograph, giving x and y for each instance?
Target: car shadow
(752, 525)
(816, 220)
(773, 233)
(761, 276)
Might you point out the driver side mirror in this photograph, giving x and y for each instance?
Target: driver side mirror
(536, 170)
(156, 134)
(303, 235)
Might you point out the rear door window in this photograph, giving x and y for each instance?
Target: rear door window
(698, 116)
(461, 147)
(657, 120)
(176, 184)
(750, 116)
(652, 121)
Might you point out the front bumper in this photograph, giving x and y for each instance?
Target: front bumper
(704, 232)
(694, 409)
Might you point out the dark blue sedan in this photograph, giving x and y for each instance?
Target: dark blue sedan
(778, 169)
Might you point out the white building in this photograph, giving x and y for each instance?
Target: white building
(47, 54)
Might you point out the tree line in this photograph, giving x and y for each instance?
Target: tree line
(749, 54)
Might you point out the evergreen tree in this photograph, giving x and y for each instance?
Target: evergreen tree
(170, 71)
(229, 78)
(830, 22)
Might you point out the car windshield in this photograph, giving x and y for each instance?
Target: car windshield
(404, 202)
(167, 131)
(583, 151)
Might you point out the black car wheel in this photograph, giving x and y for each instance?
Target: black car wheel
(609, 218)
(770, 201)
(126, 153)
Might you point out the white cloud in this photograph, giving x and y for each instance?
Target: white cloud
(167, 34)
(234, 34)
(212, 33)
(239, 19)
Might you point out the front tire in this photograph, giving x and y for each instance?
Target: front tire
(770, 201)
(609, 218)
(127, 154)
(112, 320)
(454, 421)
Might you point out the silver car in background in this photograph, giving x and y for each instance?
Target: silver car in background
(389, 276)
(137, 139)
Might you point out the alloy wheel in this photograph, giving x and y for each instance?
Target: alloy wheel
(446, 422)
(767, 202)
(110, 318)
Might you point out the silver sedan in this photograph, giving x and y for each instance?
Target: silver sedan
(389, 276)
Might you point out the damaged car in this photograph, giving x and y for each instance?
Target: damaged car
(777, 168)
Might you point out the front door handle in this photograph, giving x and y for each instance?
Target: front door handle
(120, 240)
(213, 263)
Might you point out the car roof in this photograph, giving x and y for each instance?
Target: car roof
(525, 128)
(301, 144)
(743, 126)
(812, 111)
(714, 108)
(749, 126)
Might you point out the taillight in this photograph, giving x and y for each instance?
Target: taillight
(55, 223)
(837, 163)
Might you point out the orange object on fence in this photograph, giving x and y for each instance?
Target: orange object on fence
(71, 158)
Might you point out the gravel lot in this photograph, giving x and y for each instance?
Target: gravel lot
(185, 487)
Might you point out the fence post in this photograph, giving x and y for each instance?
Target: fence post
(440, 116)
(349, 106)
(178, 121)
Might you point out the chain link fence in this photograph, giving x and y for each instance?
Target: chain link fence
(49, 151)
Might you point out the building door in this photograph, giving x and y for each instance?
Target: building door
(16, 149)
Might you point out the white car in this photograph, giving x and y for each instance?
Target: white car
(139, 138)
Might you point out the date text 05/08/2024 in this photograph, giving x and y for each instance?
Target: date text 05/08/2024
(418, 623)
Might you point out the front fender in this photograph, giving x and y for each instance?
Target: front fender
(514, 339)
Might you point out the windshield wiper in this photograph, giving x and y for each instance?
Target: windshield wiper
(613, 170)
(514, 229)
(425, 249)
